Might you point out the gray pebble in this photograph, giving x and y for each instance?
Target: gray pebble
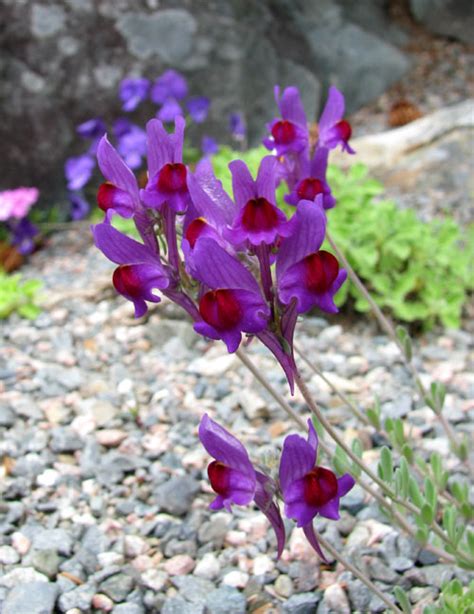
(176, 605)
(31, 598)
(225, 600)
(303, 603)
(53, 539)
(128, 608)
(117, 587)
(79, 597)
(176, 495)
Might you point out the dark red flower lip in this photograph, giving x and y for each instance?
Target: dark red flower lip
(172, 178)
(283, 132)
(320, 486)
(220, 309)
(259, 215)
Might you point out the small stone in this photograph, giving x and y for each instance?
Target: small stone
(20, 542)
(225, 600)
(262, 564)
(22, 575)
(214, 531)
(419, 593)
(284, 586)
(359, 595)
(7, 417)
(65, 440)
(236, 579)
(79, 597)
(8, 555)
(336, 599)
(110, 438)
(380, 571)
(53, 539)
(128, 608)
(31, 598)
(401, 564)
(179, 565)
(176, 605)
(154, 579)
(354, 500)
(134, 546)
(208, 567)
(303, 603)
(177, 494)
(102, 602)
(45, 561)
(117, 587)
(437, 575)
(194, 590)
(48, 478)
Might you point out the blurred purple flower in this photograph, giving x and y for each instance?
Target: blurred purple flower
(132, 146)
(290, 133)
(198, 108)
(237, 126)
(78, 171)
(169, 111)
(132, 92)
(209, 145)
(23, 234)
(121, 126)
(171, 84)
(79, 207)
(333, 129)
(92, 128)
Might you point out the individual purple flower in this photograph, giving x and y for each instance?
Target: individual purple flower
(198, 108)
(132, 146)
(233, 303)
(16, 203)
(290, 133)
(304, 273)
(132, 92)
(92, 128)
(23, 233)
(121, 126)
(333, 129)
(167, 181)
(119, 193)
(171, 84)
(79, 207)
(234, 479)
(140, 271)
(209, 146)
(308, 489)
(169, 111)
(313, 182)
(78, 171)
(237, 126)
(258, 219)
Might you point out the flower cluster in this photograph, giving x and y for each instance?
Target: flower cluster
(235, 265)
(305, 488)
(14, 208)
(169, 95)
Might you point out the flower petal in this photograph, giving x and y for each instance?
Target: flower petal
(310, 534)
(119, 248)
(264, 501)
(115, 170)
(224, 447)
(345, 483)
(297, 458)
(291, 106)
(266, 178)
(333, 111)
(160, 148)
(243, 185)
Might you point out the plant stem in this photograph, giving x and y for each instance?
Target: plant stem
(373, 493)
(358, 574)
(390, 330)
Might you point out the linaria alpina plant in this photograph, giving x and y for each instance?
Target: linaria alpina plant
(241, 268)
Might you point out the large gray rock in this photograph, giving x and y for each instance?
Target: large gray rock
(62, 60)
(31, 598)
(449, 17)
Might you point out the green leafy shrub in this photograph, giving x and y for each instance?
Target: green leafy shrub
(453, 600)
(420, 272)
(18, 296)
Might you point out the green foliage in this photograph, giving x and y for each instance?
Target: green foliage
(454, 599)
(419, 271)
(18, 296)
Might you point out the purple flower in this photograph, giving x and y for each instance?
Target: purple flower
(234, 479)
(167, 174)
(78, 171)
(290, 133)
(169, 111)
(233, 302)
(23, 234)
(314, 181)
(209, 145)
(140, 271)
(333, 129)
(132, 146)
(198, 108)
(308, 489)
(237, 126)
(258, 220)
(79, 207)
(303, 273)
(132, 92)
(171, 84)
(16, 203)
(120, 192)
(92, 128)
(121, 126)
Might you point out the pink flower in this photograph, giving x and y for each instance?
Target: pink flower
(17, 203)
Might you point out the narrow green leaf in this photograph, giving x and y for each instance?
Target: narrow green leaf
(398, 432)
(386, 464)
(373, 417)
(407, 452)
(414, 491)
(405, 342)
(421, 535)
(470, 542)
(436, 466)
(430, 493)
(405, 477)
(402, 599)
(427, 514)
(340, 461)
(388, 425)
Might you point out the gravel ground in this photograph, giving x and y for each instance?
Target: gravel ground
(103, 484)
